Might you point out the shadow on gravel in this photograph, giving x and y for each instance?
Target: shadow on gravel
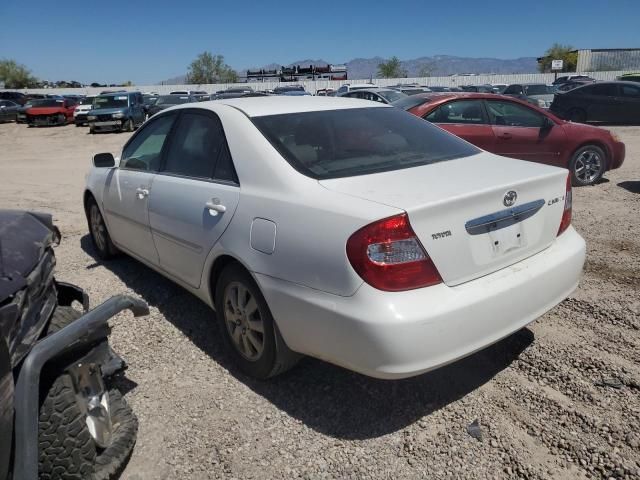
(632, 186)
(329, 399)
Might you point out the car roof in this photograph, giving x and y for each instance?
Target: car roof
(277, 105)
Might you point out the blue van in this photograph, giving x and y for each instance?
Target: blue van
(118, 111)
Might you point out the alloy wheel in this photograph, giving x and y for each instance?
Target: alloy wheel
(97, 228)
(244, 321)
(588, 166)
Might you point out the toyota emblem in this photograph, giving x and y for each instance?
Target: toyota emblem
(510, 198)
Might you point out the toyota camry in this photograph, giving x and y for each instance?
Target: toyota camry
(352, 232)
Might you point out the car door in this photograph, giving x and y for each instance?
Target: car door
(630, 96)
(127, 190)
(138, 109)
(524, 133)
(603, 103)
(194, 196)
(467, 119)
(4, 110)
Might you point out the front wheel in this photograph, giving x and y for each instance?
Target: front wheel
(587, 165)
(247, 326)
(128, 125)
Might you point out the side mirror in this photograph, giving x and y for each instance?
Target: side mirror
(547, 124)
(104, 160)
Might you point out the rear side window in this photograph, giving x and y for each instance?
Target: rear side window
(196, 146)
(604, 90)
(463, 111)
(144, 150)
(359, 141)
(512, 114)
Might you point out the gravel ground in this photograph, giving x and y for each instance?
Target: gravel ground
(560, 399)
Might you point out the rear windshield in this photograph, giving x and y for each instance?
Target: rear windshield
(538, 90)
(359, 141)
(407, 103)
(172, 99)
(110, 101)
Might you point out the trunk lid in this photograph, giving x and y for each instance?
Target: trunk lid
(457, 209)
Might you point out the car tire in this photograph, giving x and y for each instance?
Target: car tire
(240, 328)
(98, 230)
(577, 115)
(587, 165)
(66, 449)
(61, 317)
(128, 125)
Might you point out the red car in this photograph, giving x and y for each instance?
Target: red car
(513, 128)
(50, 111)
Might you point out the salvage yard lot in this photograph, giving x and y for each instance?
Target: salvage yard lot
(560, 399)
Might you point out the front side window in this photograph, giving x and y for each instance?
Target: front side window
(144, 151)
(511, 114)
(358, 141)
(463, 111)
(631, 91)
(197, 143)
(538, 90)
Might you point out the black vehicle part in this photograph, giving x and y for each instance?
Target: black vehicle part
(68, 293)
(27, 290)
(27, 388)
(6, 409)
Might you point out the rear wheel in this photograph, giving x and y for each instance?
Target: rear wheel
(577, 115)
(98, 230)
(587, 166)
(247, 326)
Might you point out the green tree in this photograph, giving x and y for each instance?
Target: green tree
(209, 68)
(559, 52)
(392, 68)
(15, 75)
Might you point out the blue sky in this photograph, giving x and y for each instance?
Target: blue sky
(146, 42)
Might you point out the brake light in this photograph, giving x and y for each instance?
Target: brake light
(566, 214)
(388, 256)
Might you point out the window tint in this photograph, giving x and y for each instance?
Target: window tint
(604, 90)
(195, 146)
(464, 111)
(358, 141)
(631, 91)
(144, 150)
(224, 166)
(513, 115)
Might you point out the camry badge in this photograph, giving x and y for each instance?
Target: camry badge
(510, 198)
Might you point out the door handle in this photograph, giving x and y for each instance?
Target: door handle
(215, 207)
(506, 135)
(141, 193)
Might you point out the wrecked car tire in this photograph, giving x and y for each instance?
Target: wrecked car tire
(98, 230)
(65, 445)
(61, 317)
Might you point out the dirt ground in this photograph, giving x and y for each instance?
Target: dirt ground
(560, 399)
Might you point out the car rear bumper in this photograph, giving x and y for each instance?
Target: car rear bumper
(401, 334)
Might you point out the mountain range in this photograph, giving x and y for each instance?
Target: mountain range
(438, 65)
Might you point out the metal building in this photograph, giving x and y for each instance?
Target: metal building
(605, 59)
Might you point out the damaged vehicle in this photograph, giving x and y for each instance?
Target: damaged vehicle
(60, 415)
(50, 112)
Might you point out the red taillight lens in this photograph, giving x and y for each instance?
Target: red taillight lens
(566, 215)
(388, 256)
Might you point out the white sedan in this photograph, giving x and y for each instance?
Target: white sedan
(349, 231)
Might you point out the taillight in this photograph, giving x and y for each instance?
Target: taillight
(566, 214)
(388, 256)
